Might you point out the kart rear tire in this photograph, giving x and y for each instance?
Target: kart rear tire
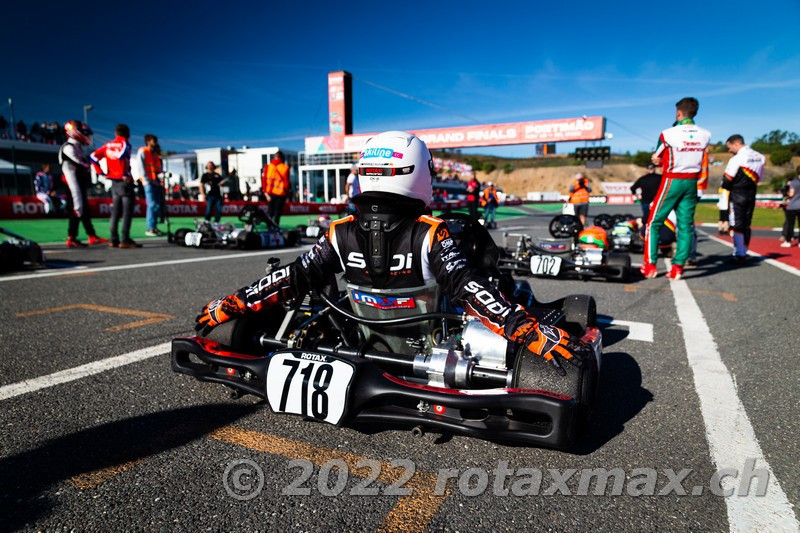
(180, 236)
(293, 238)
(248, 240)
(580, 312)
(623, 261)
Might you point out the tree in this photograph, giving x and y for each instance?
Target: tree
(641, 159)
(780, 156)
(474, 162)
(489, 167)
(508, 168)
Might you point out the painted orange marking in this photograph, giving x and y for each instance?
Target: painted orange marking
(90, 480)
(727, 296)
(148, 317)
(411, 513)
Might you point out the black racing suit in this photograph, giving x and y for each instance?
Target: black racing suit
(406, 253)
(742, 202)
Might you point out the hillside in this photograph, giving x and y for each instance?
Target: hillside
(557, 178)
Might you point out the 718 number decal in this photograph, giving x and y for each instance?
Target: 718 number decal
(316, 387)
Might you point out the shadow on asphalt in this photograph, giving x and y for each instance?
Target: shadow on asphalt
(621, 397)
(716, 264)
(26, 476)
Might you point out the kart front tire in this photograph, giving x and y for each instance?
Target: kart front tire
(180, 236)
(622, 262)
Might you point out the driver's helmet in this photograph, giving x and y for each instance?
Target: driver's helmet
(81, 132)
(593, 237)
(324, 221)
(397, 162)
(624, 229)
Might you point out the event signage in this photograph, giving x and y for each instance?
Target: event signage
(533, 132)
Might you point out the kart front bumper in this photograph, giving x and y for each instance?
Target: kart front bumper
(524, 416)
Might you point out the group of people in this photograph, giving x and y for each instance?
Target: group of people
(44, 132)
(115, 161)
(486, 198)
(682, 153)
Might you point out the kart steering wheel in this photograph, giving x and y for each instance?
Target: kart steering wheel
(473, 239)
(565, 226)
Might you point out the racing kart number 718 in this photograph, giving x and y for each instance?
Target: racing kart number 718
(545, 265)
(308, 384)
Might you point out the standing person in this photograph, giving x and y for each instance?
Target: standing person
(473, 196)
(683, 156)
(579, 191)
(117, 153)
(490, 202)
(645, 189)
(146, 168)
(723, 204)
(353, 188)
(792, 212)
(210, 182)
(75, 170)
(276, 180)
(742, 174)
(45, 189)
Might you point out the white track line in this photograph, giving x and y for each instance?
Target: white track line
(637, 331)
(731, 438)
(89, 369)
(783, 266)
(66, 271)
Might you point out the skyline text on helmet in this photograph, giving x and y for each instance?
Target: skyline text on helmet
(385, 153)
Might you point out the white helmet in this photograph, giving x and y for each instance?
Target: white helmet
(397, 162)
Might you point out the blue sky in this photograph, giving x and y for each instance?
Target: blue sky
(235, 73)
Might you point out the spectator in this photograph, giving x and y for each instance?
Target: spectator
(682, 149)
(3, 127)
(45, 189)
(792, 212)
(741, 178)
(579, 196)
(75, 169)
(35, 133)
(275, 181)
(490, 202)
(645, 189)
(233, 185)
(146, 169)
(353, 188)
(22, 131)
(723, 227)
(210, 183)
(473, 196)
(117, 153)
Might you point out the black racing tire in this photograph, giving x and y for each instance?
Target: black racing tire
(293, 238)
(616, 219)
(180, 236)
(242, 334)
(565, 226)
(623, 261)
(580, 312)
(248, 240)
(531, 371)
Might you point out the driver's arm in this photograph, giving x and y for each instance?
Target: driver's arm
(481, 299)
(312, 269)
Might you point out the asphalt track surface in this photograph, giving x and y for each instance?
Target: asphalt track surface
(139, 447)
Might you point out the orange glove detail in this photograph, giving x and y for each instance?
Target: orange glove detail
(220, 311)
(557, 345)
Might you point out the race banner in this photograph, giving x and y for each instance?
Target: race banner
(533, 132)
(30, 207)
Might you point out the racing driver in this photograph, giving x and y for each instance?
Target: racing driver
(393, 244)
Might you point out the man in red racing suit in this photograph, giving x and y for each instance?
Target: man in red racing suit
(393, 244)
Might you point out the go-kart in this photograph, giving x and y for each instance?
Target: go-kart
(17, 252)
(316, 226)
(623, 231)
(406, 358)
(573, 251)
(215, 235)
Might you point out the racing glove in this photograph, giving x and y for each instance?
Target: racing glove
(220, 311)
(555, 346)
